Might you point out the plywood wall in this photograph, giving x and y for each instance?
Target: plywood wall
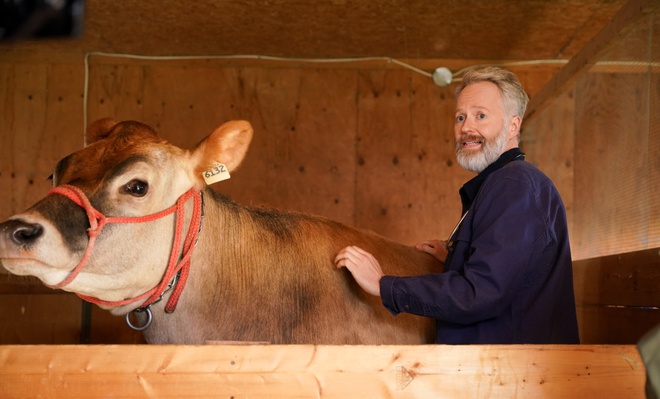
(39, 103)
(371, 146)
(617, 296)
(368, 147)
(605, 131)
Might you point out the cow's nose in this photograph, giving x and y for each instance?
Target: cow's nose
(21, 232)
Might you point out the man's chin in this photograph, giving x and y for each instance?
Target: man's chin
(472, 161)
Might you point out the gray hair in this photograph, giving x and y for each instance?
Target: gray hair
(514, 97)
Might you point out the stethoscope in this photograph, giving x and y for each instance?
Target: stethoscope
(450, 243)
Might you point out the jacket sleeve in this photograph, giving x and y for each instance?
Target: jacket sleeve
(494, 250)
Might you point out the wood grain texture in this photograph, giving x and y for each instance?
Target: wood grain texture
(265, 371)
(612, 176)
(41, 122)
(419, 29)
(617, 296)
(325, 143)
(627, 18)
(40, 319)
(624, 280)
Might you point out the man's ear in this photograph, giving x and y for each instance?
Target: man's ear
(514, 126)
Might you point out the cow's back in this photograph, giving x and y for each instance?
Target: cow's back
(373, 324)
(269, 276)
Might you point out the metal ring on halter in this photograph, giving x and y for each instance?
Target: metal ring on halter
(146, 325)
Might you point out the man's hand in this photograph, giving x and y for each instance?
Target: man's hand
(436, 248)
(364, 267)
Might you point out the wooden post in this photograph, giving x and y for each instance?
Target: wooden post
(302, 371)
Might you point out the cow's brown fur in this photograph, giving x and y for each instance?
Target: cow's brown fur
(257, 274)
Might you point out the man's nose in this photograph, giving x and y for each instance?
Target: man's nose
(467, 125)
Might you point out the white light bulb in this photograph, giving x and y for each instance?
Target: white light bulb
(442, 77)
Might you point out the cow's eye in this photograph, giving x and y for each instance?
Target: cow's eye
(136, 188)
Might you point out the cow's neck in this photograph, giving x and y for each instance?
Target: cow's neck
(212, 262)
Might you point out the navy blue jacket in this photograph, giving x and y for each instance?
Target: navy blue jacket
(508, 278)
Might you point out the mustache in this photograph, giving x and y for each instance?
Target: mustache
(471, 137)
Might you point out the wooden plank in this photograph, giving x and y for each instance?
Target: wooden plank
(322, 145)
(615, 325)
(7, 105)
(184, 103)
(41, 122)
(654, 143)
(264, 371)
(612, 212)
(305, 153)
(384, 197)
(611, 208)
(23, 128)
(629, 279)
(40, 319)
(115, 91)
(302, 156)
(362, 27)
(617, 296)
(625, 19)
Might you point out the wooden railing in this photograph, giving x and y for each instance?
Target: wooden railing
(310, 371)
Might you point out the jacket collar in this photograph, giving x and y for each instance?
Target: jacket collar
(470, 189)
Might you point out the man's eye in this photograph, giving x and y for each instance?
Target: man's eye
(136, 188)
(481, 116)
(460, 118)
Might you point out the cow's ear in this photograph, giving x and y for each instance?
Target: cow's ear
(226, 145)
(99, 129)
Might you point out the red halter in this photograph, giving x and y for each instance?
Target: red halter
(97, 221)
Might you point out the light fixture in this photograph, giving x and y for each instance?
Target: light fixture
(442, 77)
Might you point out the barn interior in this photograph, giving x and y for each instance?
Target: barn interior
(350, 124)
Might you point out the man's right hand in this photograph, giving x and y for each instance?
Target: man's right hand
(437, 248)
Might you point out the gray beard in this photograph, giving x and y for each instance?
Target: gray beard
(477, 161)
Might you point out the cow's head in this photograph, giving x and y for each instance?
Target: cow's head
(125, 171)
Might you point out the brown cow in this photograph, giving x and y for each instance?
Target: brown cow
(119, 229)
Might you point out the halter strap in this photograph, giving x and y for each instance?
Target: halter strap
(97, 221)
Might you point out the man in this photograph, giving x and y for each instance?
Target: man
(507, 275)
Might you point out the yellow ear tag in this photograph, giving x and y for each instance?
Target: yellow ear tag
(217, 173)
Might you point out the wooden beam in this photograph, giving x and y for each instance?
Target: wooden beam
(580, 64)
(268, 371)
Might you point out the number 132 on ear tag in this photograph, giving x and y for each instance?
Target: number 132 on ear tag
(217, 173)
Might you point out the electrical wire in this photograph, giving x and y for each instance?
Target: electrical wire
(229, 57)
(456, 76)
